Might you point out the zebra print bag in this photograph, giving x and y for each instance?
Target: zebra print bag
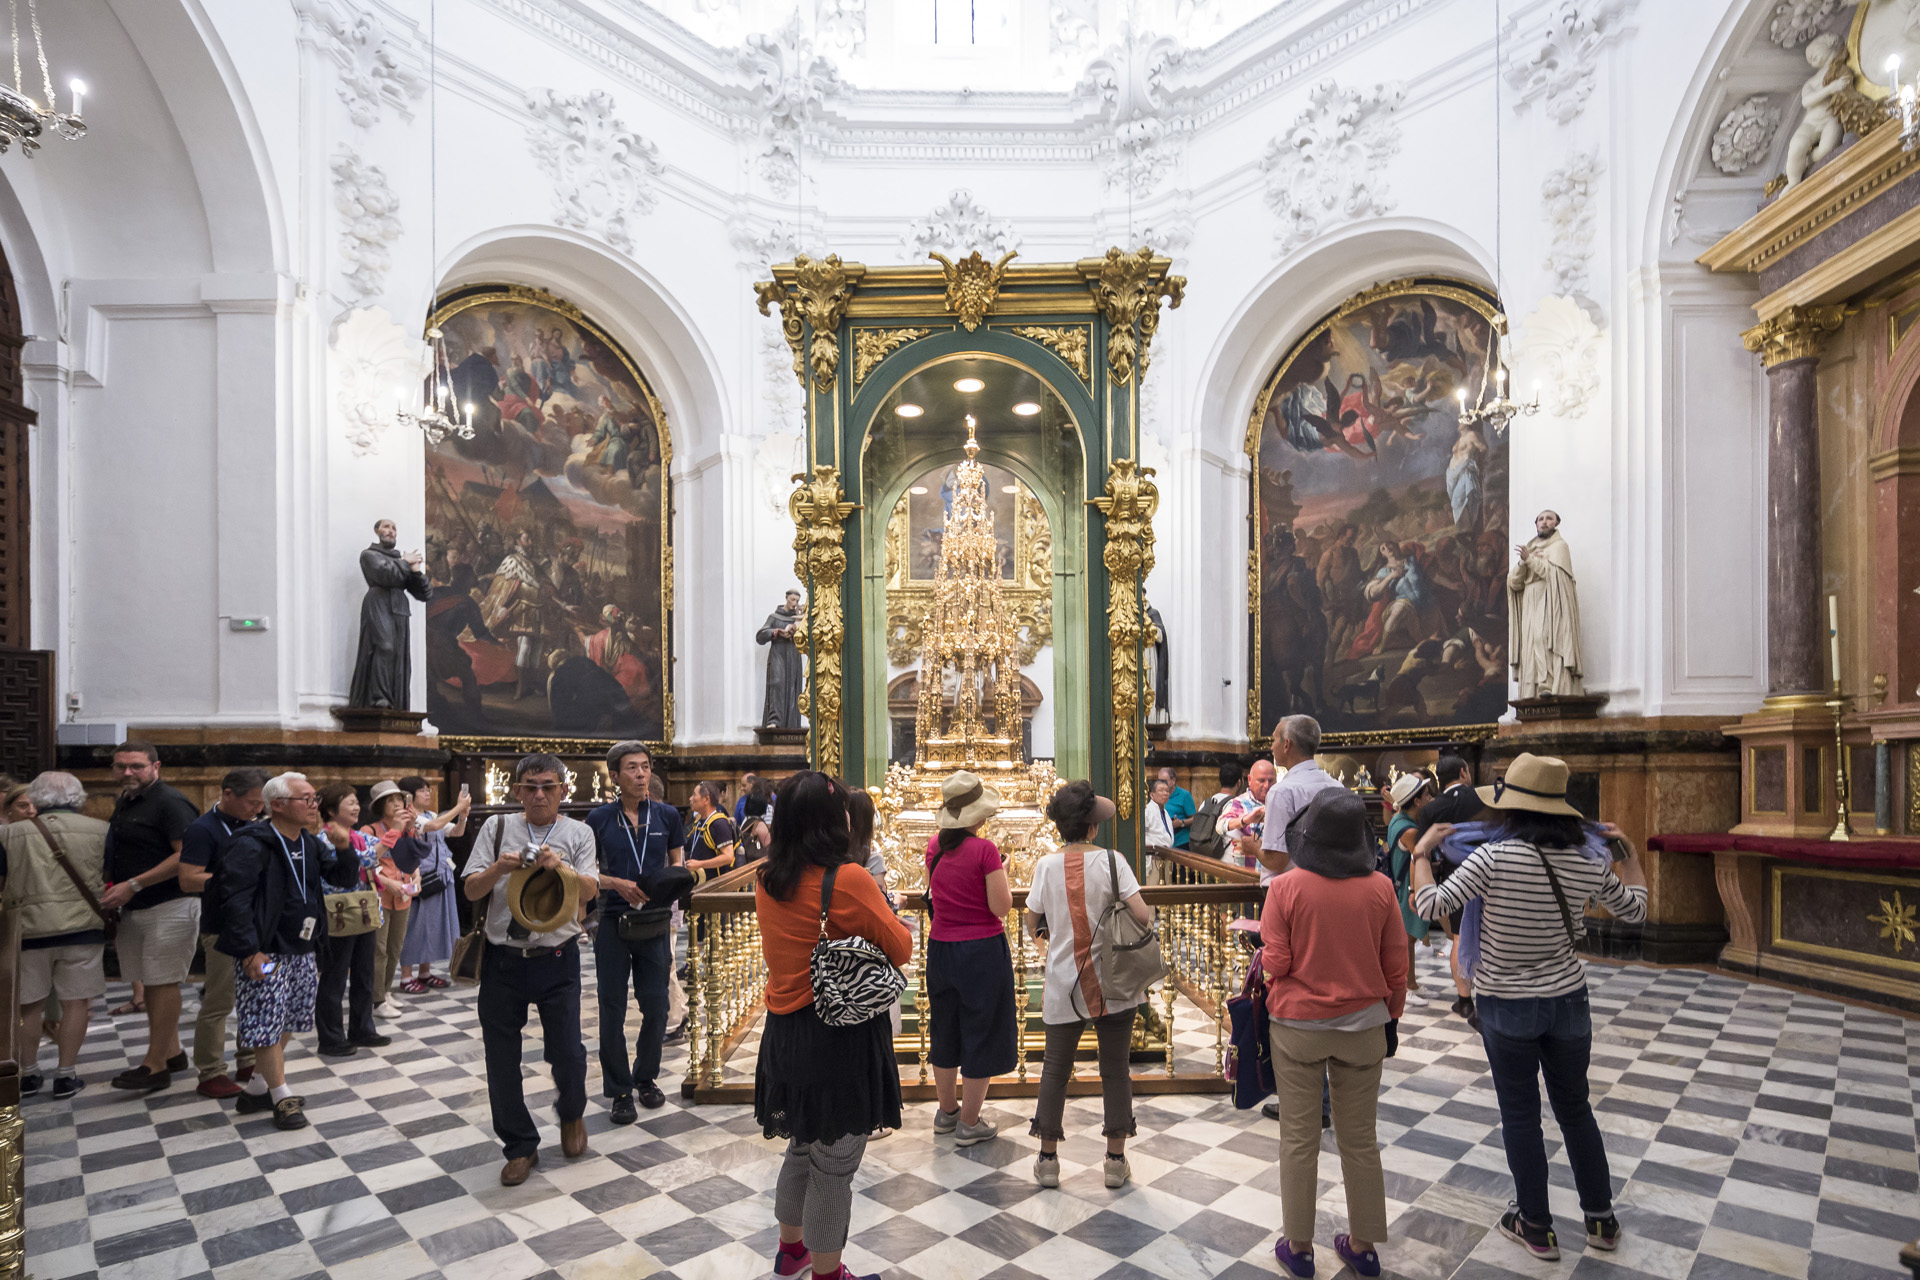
(852, 978)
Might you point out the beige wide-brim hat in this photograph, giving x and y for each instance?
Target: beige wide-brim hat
(381, 790)
(1405, 788)
(966, 801)
(1537, 784)
(543, 899)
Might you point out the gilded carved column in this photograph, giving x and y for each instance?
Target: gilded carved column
(1789, 347)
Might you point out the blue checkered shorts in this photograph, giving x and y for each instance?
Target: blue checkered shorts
(278, 1003)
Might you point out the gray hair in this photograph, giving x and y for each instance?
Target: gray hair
(56, 791)
(1303, 732)
(539, 762)
(281, 786)
(619, 751)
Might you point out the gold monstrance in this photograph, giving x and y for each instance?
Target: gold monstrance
(969, 650)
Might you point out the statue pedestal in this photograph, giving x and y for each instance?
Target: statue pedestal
(1559, 707)
(379, 720)
(770, 737)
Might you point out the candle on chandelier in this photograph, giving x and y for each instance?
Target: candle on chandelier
(79, 91)
(1833, 636)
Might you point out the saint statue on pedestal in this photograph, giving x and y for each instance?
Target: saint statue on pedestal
(1545, 615)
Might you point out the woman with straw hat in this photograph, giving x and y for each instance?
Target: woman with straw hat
(1409, 794)
(1530, 883)
(969, 964)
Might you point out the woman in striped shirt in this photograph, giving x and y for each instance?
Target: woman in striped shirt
(1532, 881)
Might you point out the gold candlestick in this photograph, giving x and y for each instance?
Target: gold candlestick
(1841, 792)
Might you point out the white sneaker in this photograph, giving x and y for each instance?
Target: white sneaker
(1118, 1171)
(1046, 1170)
(965, 1135)
(389, 1008)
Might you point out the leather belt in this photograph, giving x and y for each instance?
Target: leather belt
(535, 953)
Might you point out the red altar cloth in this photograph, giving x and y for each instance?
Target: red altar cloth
(1866, 854)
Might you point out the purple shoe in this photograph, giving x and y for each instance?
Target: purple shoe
(1363, 1264)
(787, 1263)
(1298, 1264)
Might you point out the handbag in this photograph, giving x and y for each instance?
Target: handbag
(1126, 951)
(853, 980)
(432, 882)
(351, 912)
(1249, 1062)
(470, 948)
(109, 920)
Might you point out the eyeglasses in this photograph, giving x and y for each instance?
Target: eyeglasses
(538, 788)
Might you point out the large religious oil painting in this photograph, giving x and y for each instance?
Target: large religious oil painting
(1380, 521)
(548, 539)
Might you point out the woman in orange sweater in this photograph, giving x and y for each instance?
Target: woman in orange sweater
(824, 1089)
(1335, 955)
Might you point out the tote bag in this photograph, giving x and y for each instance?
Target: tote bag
(853, 980)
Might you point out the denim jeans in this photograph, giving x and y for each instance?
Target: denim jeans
(1548, 1036)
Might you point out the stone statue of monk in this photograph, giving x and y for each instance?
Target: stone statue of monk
(1543, 615)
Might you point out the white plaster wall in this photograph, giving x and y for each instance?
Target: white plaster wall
(186, 282)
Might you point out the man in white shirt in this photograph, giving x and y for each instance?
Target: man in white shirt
(539, 969)
(1295, 740)
(1157, 827)
(1245, 816)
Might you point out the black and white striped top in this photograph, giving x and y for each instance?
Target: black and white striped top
(1523, 943)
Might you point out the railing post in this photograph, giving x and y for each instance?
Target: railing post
(13, 1131)
(1019, 938)
(920, 991)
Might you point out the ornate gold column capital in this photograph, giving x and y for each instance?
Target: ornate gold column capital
(1128, 287)
(972, 285)
(812, 293)
(1798, 333)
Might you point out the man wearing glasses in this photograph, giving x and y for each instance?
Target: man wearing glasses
(272, 916)
(539, 969)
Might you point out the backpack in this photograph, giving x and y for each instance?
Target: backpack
(1204, 837)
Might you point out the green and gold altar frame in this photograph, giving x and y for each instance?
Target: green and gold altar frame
(1057, 352)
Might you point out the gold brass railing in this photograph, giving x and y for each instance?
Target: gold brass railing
(1193, 905)
(13, 1132)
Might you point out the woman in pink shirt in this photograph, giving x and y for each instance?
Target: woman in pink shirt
(1335, 955)
(969, 964)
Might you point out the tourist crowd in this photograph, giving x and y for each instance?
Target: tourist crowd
(298, 900)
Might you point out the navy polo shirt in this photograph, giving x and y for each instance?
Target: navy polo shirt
(200, 846)
(627, 851)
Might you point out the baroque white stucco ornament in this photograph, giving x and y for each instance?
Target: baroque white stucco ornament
(371, 75)
(369, 223)
(1326, 169)
(1558, 349)
(760, 245)
(1169, 233)
(602, 172)
(1130, 81)
(789, 83)
(780, 391)
(1797, 21)
(777, 458)
(374, 366)
(957, 226)
(841, 24)
(1567, 199)
(1557, 68)
(1073, 30)
(1745, 136)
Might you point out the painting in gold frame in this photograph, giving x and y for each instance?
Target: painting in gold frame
(549, 538)
(1378, 560)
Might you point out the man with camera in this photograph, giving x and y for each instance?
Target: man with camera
(633, 948)
(536, 871)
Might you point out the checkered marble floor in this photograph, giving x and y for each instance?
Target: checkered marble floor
(1754, 1134)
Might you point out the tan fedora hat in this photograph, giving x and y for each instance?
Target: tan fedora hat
(1405, 787)
(966, 801)
(543, 899)
(381, 790)
(1534, 783)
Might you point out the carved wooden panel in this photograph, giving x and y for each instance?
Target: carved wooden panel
(26, 712)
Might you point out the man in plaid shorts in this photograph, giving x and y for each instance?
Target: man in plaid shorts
(272, 914)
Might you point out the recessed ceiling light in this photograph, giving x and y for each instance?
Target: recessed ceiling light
(1026, 408)
(919, 489)
(909, 410)
(1009, 488)
(969, 385)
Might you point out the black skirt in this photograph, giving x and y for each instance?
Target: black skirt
(970, 1007)
(817, 1083)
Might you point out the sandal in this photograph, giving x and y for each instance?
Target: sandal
(415, 987)
(125, 1009)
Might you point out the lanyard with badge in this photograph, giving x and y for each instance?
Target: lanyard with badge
(646, 841)
(298, 870)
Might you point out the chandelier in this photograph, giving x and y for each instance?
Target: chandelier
(22, 119)
(1499, 412)
(1905, 105)
(442, 415)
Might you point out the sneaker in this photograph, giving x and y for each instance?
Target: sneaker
(30, 1083)
(435, 981)
(1297, 1264)
(288, 1113)
(792, 1260)
(389, 1008)
(1046, 1169)
(251, 1104)
(945, 1121)
(1602, 1233)
(142, 1080)
(1536, 1240)
(624, 1112)
(66, 1086)
(1118, 1171)
(965, 1135)
(218, 1087)
(1364, 1263)
(650, 1095)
